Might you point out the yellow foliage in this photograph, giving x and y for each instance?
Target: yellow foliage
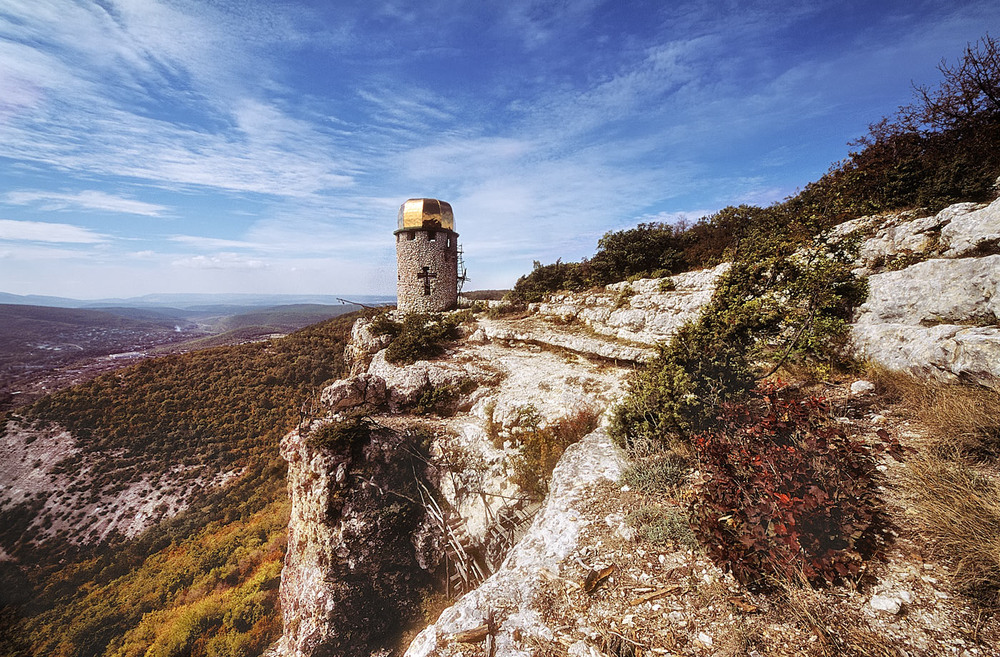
(212, 594)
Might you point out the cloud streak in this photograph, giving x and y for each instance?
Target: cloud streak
(187, 64)
(39, 231)
(89, 199)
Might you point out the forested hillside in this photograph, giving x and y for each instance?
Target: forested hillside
(205, 581)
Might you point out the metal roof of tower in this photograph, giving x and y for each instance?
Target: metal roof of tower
(426, 213)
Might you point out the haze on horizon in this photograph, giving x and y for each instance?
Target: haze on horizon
(154, 146)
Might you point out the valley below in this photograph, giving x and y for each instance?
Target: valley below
(44, 349)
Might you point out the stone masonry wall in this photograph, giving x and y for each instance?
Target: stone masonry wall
(437, 250)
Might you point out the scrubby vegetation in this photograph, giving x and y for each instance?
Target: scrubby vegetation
(655, 469)
(651, 250)
(343, 435)
(541, 446)
(779, 473)
(951, 481)
(663, 526)
(442, 400)
(786, 494)
(779, 300)
(418, 337)
(940, 149)
(959, 507)
(965, 419)
(484, 295)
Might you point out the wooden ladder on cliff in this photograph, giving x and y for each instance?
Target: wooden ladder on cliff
(511, 526)
(463, 572)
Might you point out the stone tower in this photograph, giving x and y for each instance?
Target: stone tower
(426, 256)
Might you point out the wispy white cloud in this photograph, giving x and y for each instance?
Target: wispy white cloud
(220, 261)
(39, 231)
(214, 243)
(100, 69)
(89, 199)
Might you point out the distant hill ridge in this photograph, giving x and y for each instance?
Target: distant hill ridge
(192, 301)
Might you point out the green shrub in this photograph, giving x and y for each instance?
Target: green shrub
(508, 307)
(380, 324)
(786, 493)
(663, 526)
(442, 400)
(784, 297)
(544, 279)
(662, 472)
(420, 336)
(677, 392)
(943, 148)
(637, 253)
(624, 297)
(667, 285)
(343, 435)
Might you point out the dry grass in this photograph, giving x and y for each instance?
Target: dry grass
(838, 633)
(964, 420)
(541, 447)
(960, 508)
(952, 481)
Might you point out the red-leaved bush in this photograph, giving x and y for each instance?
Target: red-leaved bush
(786, 493)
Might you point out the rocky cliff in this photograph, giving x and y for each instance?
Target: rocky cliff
(356, 564)
(515, 594)
(933, 307)
(562, 366)
(932, 310)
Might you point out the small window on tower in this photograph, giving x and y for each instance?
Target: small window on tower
(432, 236)
(410, 235)
(449, 243)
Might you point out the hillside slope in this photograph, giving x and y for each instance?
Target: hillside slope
(156, 485)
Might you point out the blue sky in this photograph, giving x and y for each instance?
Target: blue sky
(238, 146)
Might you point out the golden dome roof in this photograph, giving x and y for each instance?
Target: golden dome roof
(426, 213)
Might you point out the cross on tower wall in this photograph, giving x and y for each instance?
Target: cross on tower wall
(426, 275)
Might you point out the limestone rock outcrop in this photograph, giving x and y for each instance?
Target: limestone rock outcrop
(405, 383)
(939, 291)
(972, 232)
(512, 591)
(342, 538)
(934, 293)
(364, 344)
(945, 352)
(644, 311)
(961, 230)
(352, 574)
(357, 390)
(564, 337)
